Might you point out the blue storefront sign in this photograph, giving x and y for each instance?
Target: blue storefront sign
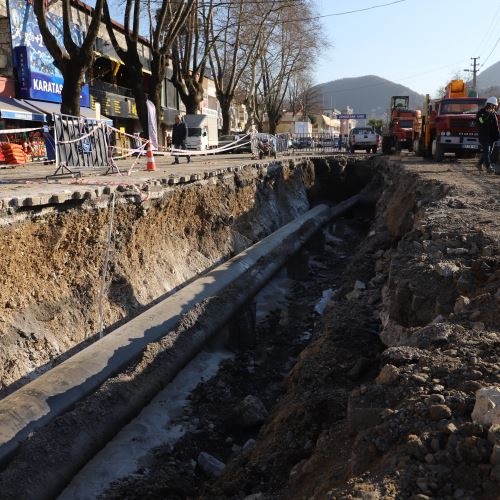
(37, 76)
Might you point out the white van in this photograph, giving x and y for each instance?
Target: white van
(202, 133)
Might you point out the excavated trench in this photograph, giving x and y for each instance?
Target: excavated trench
(366, 363)
(55, 260)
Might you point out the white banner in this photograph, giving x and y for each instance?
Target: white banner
(153, 132)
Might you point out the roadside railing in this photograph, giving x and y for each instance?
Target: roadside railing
(290, 144)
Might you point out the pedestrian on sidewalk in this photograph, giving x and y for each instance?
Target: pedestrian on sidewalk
(488, 132)
(179, 134)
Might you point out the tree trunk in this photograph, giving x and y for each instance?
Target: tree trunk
(142, 108)
(72, 88)
(191, 101)
(273, 121)
(158, 70)
(140, 99)
(190, 92)
(225, 104)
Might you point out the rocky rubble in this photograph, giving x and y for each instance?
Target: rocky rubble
(424, 425)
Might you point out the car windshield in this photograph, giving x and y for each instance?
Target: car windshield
(461, 106)
(194, 132)
(406, 123)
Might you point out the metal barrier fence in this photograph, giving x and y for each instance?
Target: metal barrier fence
(299, 143)
(317, 143)
(80, 143)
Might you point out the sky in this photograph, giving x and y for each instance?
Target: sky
(421, 44)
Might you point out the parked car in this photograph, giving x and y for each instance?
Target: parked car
(363, 138)
(240, 143)
(225, 140)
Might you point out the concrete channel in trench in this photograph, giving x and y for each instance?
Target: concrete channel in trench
(132, 363)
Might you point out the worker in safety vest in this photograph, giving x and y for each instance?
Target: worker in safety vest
(488, 132)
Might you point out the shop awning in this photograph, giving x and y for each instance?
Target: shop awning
(50, 108)
(15, 109)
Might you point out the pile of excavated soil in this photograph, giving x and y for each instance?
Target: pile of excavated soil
(433, 273)
(359, 419)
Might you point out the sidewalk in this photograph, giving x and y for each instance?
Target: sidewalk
(25, 186)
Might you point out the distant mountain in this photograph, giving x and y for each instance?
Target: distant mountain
(489, 78)
(365, 94)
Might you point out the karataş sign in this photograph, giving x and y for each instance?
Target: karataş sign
(37, 76)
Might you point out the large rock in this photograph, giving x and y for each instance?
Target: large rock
(487, 408)
(210, 465)
(388, 375)
(399, 356)
(249, 412)
(434, 334)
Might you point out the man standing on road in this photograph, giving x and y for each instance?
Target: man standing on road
(488, 132)
(179, 134)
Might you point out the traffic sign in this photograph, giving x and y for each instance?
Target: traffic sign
(351, 117)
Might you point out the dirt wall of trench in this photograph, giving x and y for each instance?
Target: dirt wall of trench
(52, 259)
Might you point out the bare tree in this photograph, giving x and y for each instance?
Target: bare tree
(292, 50)
(164, 27)
(72, 60)
(251, 78)
(302, 96)
(234, 47)
(190, 51)
(170, 20)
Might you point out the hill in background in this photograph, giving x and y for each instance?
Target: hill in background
(488, 81)
(490, 77)
(365, 94)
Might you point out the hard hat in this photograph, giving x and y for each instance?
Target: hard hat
(492, 100)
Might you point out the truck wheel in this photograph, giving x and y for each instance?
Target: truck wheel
(416, 147)
(437, 151)
(386, 145)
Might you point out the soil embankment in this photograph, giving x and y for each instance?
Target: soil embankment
(51, 268)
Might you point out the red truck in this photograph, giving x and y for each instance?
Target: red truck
(449, 124)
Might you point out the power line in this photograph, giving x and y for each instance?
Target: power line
(492, 50)
(489, 31)
(360, 10)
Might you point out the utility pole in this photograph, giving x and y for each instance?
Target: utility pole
(474, 70)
